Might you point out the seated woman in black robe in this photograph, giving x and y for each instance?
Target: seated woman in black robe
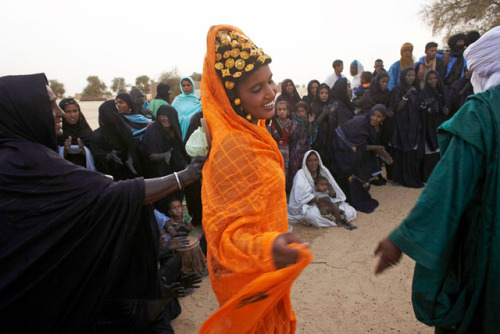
(163, 150)
(75, 140)
(434, 110)
(70, 238)
(356, 145)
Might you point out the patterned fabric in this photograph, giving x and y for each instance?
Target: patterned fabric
(244, 210)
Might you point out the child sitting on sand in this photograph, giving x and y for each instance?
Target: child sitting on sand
(326, 206)
(193, 258)
(180, 222)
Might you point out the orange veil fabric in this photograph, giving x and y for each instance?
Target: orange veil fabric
(244, 210)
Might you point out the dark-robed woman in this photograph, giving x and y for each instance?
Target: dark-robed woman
(356, 145)
(70, 238)
(312, 87)
(321, 99)
(113, 145)
(162, 97)
(163, 149)
(341, 98)
(377, 93)
(75, 140)
(326, 120)
(406, 137)
(289, 94)
(434, 110)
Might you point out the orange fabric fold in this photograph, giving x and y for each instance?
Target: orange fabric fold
(244, 210)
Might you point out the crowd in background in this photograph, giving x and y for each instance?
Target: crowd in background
(135, 138)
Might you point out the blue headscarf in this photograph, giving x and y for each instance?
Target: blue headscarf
(186, 105)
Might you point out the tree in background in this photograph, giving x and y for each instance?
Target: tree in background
(143, 82)
(57, 88)
(95, 87)
(173, 79)
(196, 76)
(451, 16)
(118, 85)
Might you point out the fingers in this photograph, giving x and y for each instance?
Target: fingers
(380, 267)
(291, 237)
(377, 249)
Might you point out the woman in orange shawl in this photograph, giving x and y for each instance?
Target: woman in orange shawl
(252, 258)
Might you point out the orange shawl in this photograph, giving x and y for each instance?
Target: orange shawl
(244, 210)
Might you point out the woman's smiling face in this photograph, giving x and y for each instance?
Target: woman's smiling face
(257, 93)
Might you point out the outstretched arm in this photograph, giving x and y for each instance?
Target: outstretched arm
(160, 187)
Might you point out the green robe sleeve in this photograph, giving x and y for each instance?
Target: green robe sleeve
(429, 233)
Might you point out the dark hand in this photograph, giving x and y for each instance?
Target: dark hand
(67, 144)
(190, 281)
(282, 254)
(410, 91)
(384, 155)
(167, 156)
(174, 290)
(193, 171)
(81, 148)
(177, 242)
(389, 254)
(130, 165)
(112, 156)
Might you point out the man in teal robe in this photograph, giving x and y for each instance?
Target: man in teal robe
(453, 232)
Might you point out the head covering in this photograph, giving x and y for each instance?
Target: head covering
(359, 66)
(290, 99)
(472, 36)
(323, 171)
(375, 84)
(402, 79)
(244, 203)
(173, 118)
(379, 107)
(358, 131)
(309, 88)
(136, 91)
(406, 61)
(236, 57)
(186, 105)
(375, 94)
(455, 50)
(163, 92)
(113, 125)
(25, 110)
(80, 130)
(130, 100)
(339, 91)
(317, 105)
(483, 59)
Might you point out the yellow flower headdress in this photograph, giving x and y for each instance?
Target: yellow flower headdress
(236, 57)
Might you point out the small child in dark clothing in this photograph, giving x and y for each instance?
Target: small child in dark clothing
(326, 206)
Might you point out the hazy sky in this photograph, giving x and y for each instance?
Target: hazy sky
(70, 40)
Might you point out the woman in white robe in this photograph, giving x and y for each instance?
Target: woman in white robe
(302, 207)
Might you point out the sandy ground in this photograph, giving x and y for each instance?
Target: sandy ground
(338, 292)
